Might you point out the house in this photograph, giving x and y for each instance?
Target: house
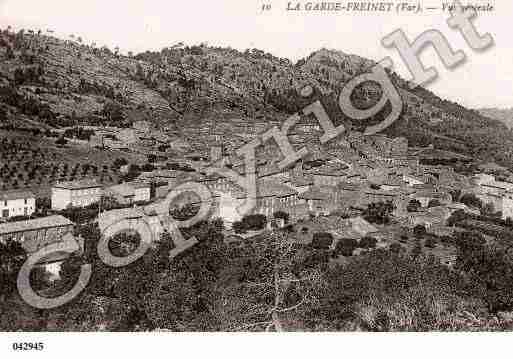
(413, 180)
(377, 195)
(17, 203)
(327, 176)
(271, 196)
(361, 226)
(391, 184)
(456, 206)
(299, 183)
(36, 233)
(425, 219)
(426, 196)
(130, 192)
(79, 193)
(137, 219)
(507, 205)
(497, 193)
(317, 200)
(348, 194)
(338, 227)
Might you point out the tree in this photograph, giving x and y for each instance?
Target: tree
(471, 200)
(267, 285)
(419, 231)
(185, 212)
(19, 76)
(378, 213)
(120, 162)
(456, 217)
(133, 172)
(282, 215)
(491, 270)
(238, 227)
(152, 158)
(395, 248)
(61, 141)
(147, 167)
(113, 111)
(322, 240)
(469, 242)
(43, 204)
(430, 242)
(346, 246)
(455, 195)
(368, 242)
(12, 257)
(488, 209)
(254, 222)
(417, 249)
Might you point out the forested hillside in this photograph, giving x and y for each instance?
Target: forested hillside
(49, 83)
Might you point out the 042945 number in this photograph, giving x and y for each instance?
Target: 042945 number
(25, 346)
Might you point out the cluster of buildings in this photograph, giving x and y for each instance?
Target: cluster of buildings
(497, 193)
(19, 207)
(358, 171)
(363, 170)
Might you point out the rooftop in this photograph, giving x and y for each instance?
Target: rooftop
(34, 224)
(80, 184)
(314, 193)
(10, 195)
(267, 188)
(127, 189)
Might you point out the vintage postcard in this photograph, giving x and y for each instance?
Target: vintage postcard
(260, 166)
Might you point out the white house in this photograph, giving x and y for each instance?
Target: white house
(17, 203)
(507, 205)
(76, 193)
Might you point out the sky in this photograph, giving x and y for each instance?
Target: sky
(484, 80)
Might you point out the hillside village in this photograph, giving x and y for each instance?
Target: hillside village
(88, 134)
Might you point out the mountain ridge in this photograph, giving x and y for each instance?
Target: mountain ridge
(52, 83)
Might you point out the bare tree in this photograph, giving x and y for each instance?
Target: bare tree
(263, 301)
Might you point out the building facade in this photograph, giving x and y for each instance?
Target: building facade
(36, 233)
(17, 203)
(76, 194)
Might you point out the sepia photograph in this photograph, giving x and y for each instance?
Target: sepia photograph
(260, 172)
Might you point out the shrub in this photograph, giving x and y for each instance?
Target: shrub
(395, 247)
(430, 243)
(254, 222)
(471, 200)
(419, 231)
(113, 112)
(238, 227)
(281, 215)
(368, 242)
(378, 212)
(322, 240)
(346, 246)
(61, 141)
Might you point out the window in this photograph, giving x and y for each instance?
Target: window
(25, 201)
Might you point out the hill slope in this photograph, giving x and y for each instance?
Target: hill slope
(49, 83)
(503, 115)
